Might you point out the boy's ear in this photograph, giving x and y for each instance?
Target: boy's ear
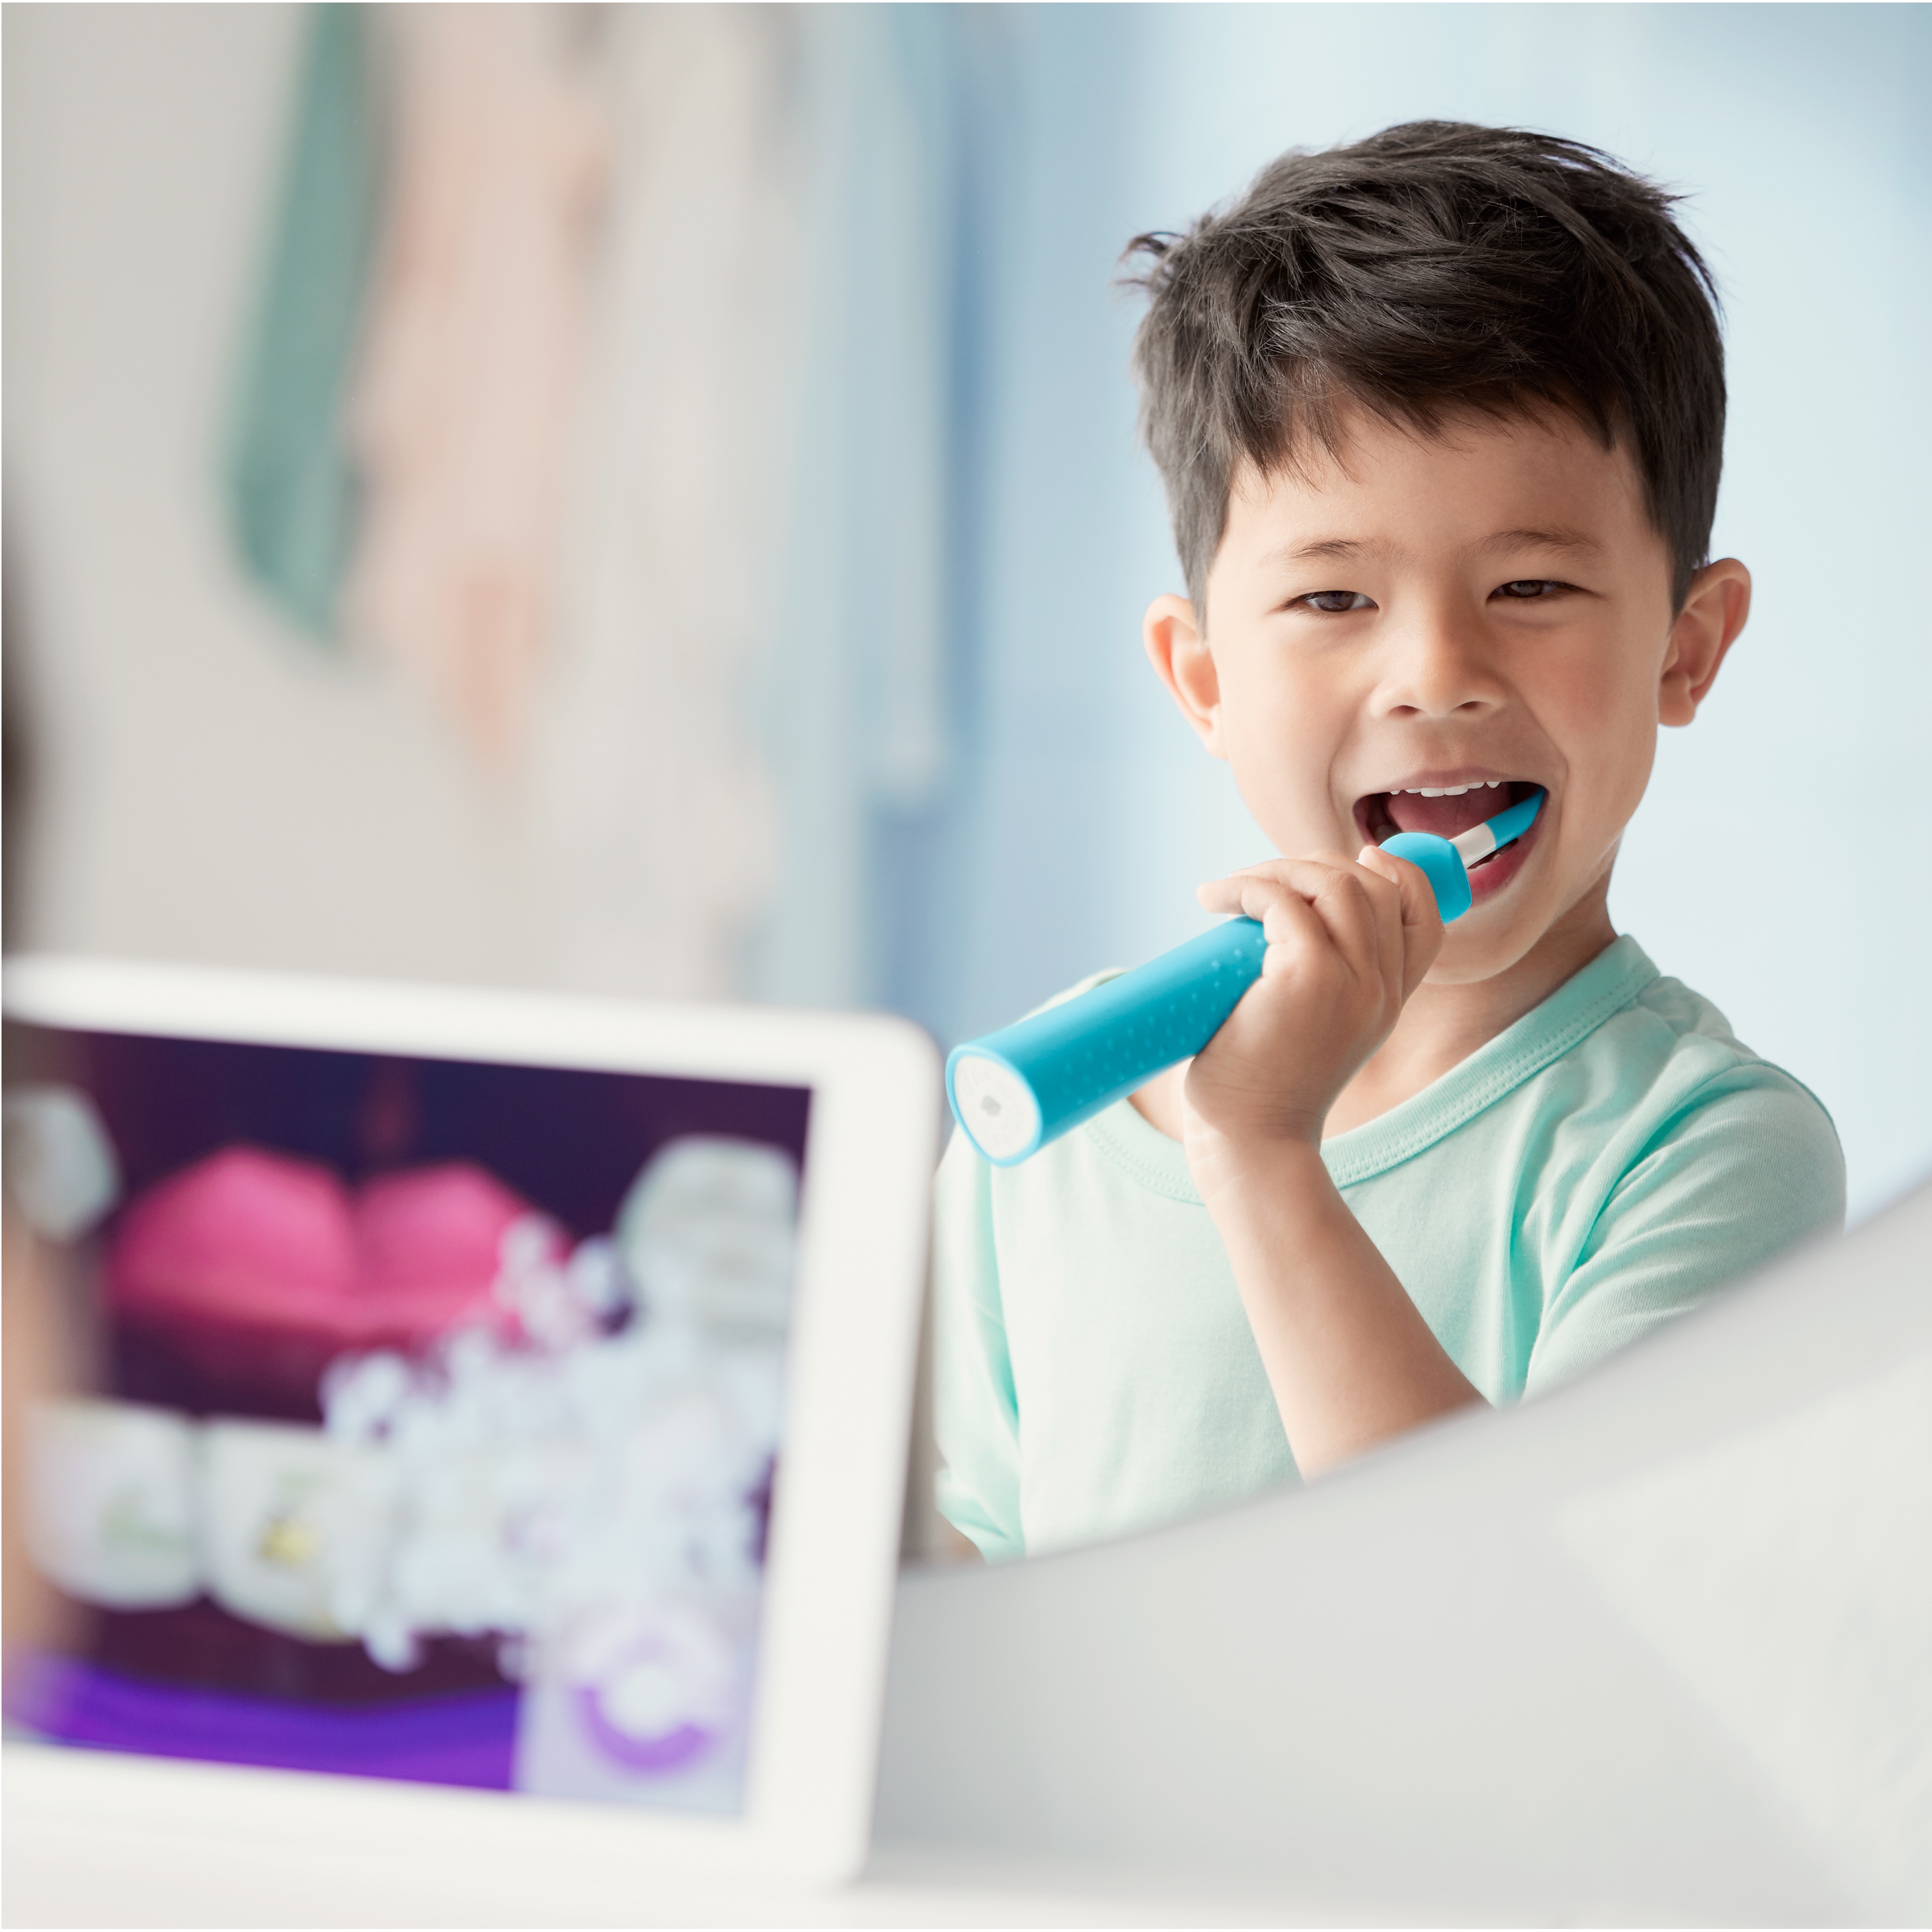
(1713, 614)
(1179, 653)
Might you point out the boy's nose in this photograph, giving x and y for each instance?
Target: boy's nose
(1438, 668)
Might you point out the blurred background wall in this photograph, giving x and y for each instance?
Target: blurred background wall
(644, 498)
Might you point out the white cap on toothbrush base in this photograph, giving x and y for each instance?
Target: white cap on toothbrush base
(996, 1107)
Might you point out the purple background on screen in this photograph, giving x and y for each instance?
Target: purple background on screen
(569, 1141)
(467, 1738)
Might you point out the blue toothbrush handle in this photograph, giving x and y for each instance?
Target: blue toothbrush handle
(1014, 1090)
(1073, 1059)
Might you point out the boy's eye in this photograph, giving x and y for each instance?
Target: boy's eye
(1527, 587)
(1336, 600)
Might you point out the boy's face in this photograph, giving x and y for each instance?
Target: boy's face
(1490, 603)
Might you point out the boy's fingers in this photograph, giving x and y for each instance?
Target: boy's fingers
(1225, 894)
(1310, 876)
(1304, 876)
(1346, 907)
(1264, 899)
(1362, 910)
(1385, 895)
(1291, 926)
(1421, 921)
(1283, 911)
(1410, 882)
(1343, 909)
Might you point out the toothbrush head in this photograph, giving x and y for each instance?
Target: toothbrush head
(1445, 862)
(1441, 864)
(1493, 834)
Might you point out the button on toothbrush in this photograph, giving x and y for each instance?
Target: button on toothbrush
(1014, 1090)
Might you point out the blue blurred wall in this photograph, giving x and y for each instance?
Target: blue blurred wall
(985, 794)
(1084, 814)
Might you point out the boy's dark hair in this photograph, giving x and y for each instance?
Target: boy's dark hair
(1434, 266)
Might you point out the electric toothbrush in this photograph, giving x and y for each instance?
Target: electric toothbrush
(1014, 1090)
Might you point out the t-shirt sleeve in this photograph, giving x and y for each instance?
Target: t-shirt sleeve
(1748, 1166)
(976, 1415)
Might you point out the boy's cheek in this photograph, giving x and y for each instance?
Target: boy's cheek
(1621, 750)
(1606, 736)
(1281, 771)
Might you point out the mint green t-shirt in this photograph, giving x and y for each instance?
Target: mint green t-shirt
(1597, 1168)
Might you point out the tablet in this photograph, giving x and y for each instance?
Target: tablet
(483, 1415)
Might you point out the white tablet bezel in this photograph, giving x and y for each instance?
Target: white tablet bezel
(872, 1144)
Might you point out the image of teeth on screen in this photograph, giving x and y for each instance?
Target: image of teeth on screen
(429, 1413)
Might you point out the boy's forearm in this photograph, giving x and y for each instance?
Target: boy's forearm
(1350, 1359)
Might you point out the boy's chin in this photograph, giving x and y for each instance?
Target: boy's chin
(1468, 958)
(1504, 927)
(1491, 938)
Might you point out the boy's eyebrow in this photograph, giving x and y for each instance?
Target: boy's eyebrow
(1556, 538)
(1343, 549)
(1331, 547)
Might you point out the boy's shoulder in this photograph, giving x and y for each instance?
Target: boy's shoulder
(1657, 1110)
(1687, 1046)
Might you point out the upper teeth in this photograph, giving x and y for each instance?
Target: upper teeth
(1449, 791)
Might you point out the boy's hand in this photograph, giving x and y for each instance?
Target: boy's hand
(1348, 943)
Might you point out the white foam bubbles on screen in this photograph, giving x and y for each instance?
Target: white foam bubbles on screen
(62, 1168)
(583, 1479)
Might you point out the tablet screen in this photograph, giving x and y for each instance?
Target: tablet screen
(420, 1417)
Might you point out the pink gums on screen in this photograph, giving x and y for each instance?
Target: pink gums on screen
(251, 1241)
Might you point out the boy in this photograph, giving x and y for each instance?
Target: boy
(1441, 417)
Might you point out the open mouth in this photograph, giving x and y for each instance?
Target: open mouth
(1445, 809)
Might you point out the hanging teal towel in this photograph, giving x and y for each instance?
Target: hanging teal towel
(290, 485)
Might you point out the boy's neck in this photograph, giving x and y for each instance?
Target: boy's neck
(1442, 1025)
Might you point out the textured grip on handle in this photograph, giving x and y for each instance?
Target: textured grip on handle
(1087, 1052)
